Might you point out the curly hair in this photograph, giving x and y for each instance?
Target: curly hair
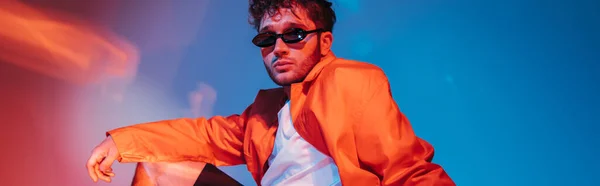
(319, 11)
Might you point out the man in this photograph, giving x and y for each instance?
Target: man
(332, 122)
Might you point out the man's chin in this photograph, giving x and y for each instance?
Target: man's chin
(285, 79)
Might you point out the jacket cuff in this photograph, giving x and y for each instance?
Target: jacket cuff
(124, 143)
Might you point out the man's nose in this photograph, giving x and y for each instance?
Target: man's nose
(281, 48)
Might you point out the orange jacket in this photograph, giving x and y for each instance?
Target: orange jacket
(343, 108)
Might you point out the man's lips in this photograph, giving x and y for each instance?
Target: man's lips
(281, 63)
(282, 66)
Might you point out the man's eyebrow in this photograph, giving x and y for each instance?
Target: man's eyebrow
(287, 25)
(296, 25)
(264, 29)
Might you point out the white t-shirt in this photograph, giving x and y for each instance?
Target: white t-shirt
(295, 161)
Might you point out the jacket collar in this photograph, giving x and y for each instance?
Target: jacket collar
(297, 88)
(319, 67)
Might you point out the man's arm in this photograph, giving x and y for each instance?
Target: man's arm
(387, 145)
(218, 140)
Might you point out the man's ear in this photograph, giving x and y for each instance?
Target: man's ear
(326, 41)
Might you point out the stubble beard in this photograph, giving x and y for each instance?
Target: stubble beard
(300, 74)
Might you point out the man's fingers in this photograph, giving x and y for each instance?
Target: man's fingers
(104, 178)
(97, 172)
(110, 174)
(106, 165)
(91, 166)
(101, 175)
(101, 160)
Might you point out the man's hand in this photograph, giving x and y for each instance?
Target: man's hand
(101, 160)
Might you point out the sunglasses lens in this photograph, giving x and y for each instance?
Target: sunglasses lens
(294, 36)
(264, 40)
(269, 39)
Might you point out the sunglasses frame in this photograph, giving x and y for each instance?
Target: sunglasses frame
(302, 33)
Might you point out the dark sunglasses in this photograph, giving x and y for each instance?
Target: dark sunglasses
(292, 36)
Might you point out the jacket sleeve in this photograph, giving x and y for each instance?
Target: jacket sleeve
(218, 140)
(388, 145)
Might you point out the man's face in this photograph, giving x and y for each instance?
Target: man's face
(289, 63)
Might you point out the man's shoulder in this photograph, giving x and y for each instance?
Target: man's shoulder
(346, 69)
(354, 65)
(353, 81)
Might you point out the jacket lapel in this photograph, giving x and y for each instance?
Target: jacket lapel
(298, 99)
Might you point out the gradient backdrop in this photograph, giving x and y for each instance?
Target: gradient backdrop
(506, 91)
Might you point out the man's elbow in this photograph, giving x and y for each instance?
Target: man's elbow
(421, 171)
